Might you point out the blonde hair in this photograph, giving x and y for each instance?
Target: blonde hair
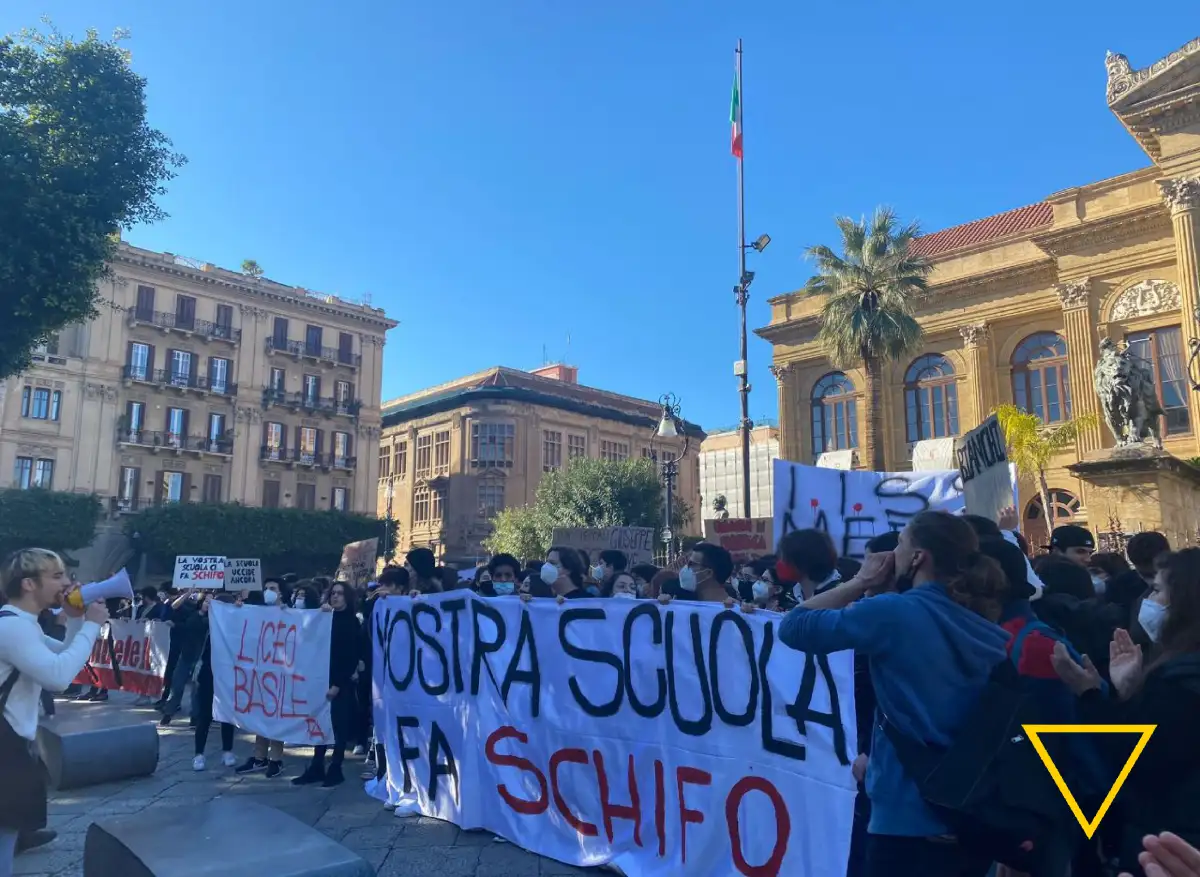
(28, 563)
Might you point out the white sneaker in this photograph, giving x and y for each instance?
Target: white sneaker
(228, 759)
(198, 763)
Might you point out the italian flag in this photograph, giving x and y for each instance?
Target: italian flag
(735, 119)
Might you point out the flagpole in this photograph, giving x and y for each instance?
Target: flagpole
(742, 291)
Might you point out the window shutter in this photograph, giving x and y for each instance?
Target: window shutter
(186, 414)
(320, 436)
(150, 361)
(137, 484)
(129, 354)
(185, 486)
(160, 487)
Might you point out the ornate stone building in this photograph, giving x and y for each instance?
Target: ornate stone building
(197, 384)
(455, 454)
(1019, 302)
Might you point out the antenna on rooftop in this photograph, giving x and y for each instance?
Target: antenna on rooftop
(567, 358)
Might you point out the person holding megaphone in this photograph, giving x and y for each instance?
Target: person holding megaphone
(34, 580)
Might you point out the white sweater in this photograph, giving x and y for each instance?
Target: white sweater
(44, 662)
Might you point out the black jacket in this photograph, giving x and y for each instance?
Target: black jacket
(345, 649)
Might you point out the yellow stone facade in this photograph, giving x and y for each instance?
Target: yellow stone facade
(171, 394)
(1113, 259)
(453, 455)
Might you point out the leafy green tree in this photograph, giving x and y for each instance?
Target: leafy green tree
(78, 162)
(50, 519)
(1033, 445)
(587, 493)
(286, 540)
(868, 318)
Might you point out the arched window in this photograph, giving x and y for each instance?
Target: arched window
(834, 414)
(1039, 377)
(930, 398)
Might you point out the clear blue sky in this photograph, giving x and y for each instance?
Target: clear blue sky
(502, 174)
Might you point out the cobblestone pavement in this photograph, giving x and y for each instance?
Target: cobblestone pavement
(396, 847)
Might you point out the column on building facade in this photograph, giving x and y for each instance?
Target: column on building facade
(789, 444)
(1182, 196)
(977, 353)
(1080, 335)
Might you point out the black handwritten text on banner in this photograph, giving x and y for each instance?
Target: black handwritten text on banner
(619, 731)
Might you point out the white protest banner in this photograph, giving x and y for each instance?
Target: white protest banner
(636, 542)
(982, 459)
(271, 671)
(662, 739)
(243, 574)
(199, 571)
(853, 506)
(140, 649)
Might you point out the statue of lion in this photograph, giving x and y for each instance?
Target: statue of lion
(1128, 396)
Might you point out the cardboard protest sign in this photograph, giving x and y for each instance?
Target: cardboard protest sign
(987, 480)
(598, 733)
(358, 561)
(271, 671)
(243, 574)
(636, 542)
(140, 649)
(853, 506)
(744, 538)
(199, 571)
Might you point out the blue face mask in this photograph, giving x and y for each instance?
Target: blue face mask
(593, 590)
(503, 589)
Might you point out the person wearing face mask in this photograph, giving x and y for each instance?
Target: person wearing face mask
(931, 652)
(1069, 605)
(1162, 791)
(621, 587)
(609, 564)
(306, 595)
(808, 558)
(202, 699)
(1127, 589)
(706, 576)
(563, 572)
(191, 630)
(268, 754)
(502, 572)
(1104, 567)
(643, 575)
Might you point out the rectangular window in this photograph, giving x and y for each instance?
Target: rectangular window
(341, 449)
(216, 433)
(144, 310)
(491, 498)
(441, 452)
(400, 460)
(26, 396)
(23, 473)
(135, 420)
(185, 312)
(1163, 350)
(131, 480)
(176, 426)
(312, 390)
(421, 505)
(224, 321)
(211, 492)
(278, 380)
(40, 410)
(273, 440)
(218, 374)
(171, 487)
(424, 462)
(492, 445)
(340, 501)
(181, 368)
(576, 446)
(279, 334)
(43, 474)
(55, 404)
(437, 504)
(614, 452)
(306, 496)
(312, 340)
(270, 497)
(551, 450)
(385, 461)
(345, 348)
(139, 361)
(344, 395)
(307, 445)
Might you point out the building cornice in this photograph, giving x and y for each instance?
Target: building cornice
(264, 290)
(1157, 99)
(1068, 240)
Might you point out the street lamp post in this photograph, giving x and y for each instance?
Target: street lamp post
(670, 426)
(388, 493)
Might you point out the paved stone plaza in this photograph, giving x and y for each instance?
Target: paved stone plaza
(396, 847)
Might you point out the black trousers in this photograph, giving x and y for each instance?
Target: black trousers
(895, 856)
(856, 866)
(172, 660)
(202, 717)
(342, 714)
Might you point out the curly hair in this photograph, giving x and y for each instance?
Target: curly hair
(972, 580)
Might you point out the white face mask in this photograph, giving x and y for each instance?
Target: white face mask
(623, 595)
(549, 573)
(760, 589)
(598, 572)
(1099, 584)
(687, 579)
(270, 598)
(503, 589)
(1151, 616)
(300, 602)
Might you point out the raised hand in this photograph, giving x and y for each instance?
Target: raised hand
(1079, 678)
(1124, 663)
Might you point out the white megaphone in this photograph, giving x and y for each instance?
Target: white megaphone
(116, 587)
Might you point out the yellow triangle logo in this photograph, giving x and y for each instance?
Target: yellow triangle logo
(1035, 731)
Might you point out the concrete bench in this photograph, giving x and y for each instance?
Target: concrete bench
(227, 837)
(86, 747)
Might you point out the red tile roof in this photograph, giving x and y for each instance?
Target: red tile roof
(983, 230)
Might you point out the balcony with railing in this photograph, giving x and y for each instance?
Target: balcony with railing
(304, 350)
(169, 322)
(307, 402)
(164, 377)
(297, 457)
(165, 440)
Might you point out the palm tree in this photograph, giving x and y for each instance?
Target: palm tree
(1032, 447)
(867, 319)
